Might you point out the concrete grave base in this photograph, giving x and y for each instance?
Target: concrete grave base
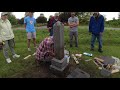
(59, 65)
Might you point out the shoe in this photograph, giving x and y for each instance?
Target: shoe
(76, 45)
(70, 45)
(16, 56)
(29, 49)
(8, 60)
(100, 50)
(92, 49)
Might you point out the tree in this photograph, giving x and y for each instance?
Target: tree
(64, 16)
(21, 21)
(113, 18)
(119, 15)
(83, 16)
(41, 19)
(12, 18)
(41, 15)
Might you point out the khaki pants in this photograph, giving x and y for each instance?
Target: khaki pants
(8, 44)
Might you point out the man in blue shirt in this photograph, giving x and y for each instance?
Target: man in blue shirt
(96, 27)
(30, 22)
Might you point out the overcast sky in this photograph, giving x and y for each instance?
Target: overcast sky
(109, 15)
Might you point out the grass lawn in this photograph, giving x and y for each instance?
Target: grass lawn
(24, 68)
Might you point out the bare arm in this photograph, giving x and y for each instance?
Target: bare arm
(25, 25)
(73, 24)
(76, 24)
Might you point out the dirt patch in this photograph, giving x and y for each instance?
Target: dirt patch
(43, 71)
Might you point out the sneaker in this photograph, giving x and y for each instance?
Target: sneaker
(29, 49)
(100, 50)
(16, 56)
(8, 60)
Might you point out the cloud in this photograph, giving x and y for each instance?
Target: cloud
(109, 15)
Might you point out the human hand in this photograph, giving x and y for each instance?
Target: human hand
(50, 27)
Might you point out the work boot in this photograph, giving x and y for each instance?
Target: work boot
(100, 50)
(70, 45)
(76, 45)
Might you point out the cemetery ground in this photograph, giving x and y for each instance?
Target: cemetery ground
(20, 68)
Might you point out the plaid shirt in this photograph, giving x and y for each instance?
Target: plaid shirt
(45, 49)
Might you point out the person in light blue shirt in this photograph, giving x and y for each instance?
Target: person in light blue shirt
(30, 22)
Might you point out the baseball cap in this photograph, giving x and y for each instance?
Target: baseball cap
(4, 13)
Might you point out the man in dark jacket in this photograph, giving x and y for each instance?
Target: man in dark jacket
(52, 21)
(96, 27)
(48, 23)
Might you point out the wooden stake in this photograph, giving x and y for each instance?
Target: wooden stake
(27, 57)
(99, 59)
(76, 61)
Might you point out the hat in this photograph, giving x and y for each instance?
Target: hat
(56, 14)
(4, 13)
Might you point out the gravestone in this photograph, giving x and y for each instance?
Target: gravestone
(58, 63)
(78, 73)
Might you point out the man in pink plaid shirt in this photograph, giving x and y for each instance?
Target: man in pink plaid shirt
(45, 51)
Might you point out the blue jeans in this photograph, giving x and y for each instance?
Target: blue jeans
(51, 32)
(99, 38)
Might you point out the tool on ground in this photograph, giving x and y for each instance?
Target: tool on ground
(76, 61)
(27, 57)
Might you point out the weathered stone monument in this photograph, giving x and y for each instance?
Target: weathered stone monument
(59, 63)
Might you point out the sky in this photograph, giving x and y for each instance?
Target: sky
(109, 15)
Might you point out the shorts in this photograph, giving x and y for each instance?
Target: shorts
(31, 35)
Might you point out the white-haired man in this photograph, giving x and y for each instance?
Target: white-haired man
(7, 36)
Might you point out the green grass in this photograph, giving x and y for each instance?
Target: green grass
(111, 42)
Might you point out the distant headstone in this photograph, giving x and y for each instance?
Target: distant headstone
(78, 73)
